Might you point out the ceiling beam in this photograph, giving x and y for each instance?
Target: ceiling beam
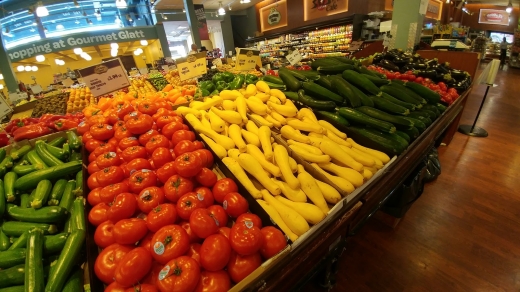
(98, 51)
(129, 46)
(65, 56)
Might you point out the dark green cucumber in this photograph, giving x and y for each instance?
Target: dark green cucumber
(3, 199)
(75, 156)
(78, 215)
(418, 124)
(45, 155)
(34, 159)
(25, 201)
(295, 73)
(310, 74)
(320, 92)
(396, 138)
(5, 243)
(356, 117)
(375, 140)
(389, 107)
(325, 82)
(48, 214)
(335, 69)
(34, 281)
(428, 113)
(14, 228)
(63, 267)
(333, 118)
(346, 60)
(22, 170)
(364, 70)
(290, 81)
(273, 79)
(441, 107)
(9, 181)
(394, 100)
(57, 192)
(276, 86)
(360, 81)
(20, 242)
(11, 258)
(291, 95)
(53, 244)
(376, 80)
(74, 141)
(19, 153)
(413, 133)
(31, 180)
(365, 100)
(22, 161)
(68, 195)
(324, 105)
(403, 135)
(2, 154)
(399, 94)
(74, 283)
(340, 86)
(383, 116)
(324, 62)
(423, 117)
(432, 108)
(411, 93)
(431, 96)
(60, 153)
(41, 196)
(57, 142)
(13, 276)
(13, 289)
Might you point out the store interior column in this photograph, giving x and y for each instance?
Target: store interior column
(406, 12)
(192, 21)
(161, 35)
(7, 70)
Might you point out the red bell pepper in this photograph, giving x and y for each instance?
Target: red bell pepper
(65, 124)
(50, 118)
(4, 139)
(31, 131)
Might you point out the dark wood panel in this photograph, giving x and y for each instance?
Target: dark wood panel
(467, 61)
(472, 20)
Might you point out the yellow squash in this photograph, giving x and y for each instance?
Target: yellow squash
(294, 221)
(281, 158)
(259, 156)
(310, 212)
(275, 216)
(311, 189)
(241, 175)
(253, 167)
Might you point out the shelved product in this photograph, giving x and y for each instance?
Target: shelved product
(514, 60)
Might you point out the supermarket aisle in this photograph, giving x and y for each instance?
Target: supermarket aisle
(463, 233)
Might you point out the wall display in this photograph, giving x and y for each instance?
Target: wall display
(492, 16)
(313, 9)
(201, 21)
(192, 66)
(247, 59)
(273, 16)
(106, 77)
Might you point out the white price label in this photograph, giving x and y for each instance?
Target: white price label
(5, 109)
(354, 46)
(15, 97)
(386, 41)
(106, 77)
(294, 57)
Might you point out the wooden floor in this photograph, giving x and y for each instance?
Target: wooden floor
(463, 234)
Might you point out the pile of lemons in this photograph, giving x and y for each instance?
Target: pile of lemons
(79, 98)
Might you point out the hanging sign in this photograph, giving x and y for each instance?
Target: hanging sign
(294, 57)
(106, 77)
(492, 16)
(355, 45)
(273, 15)
(192, 66)
(247, 59)
(5, 109)
(313, 9)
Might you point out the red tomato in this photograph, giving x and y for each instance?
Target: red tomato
(91, 157)
(188, 165)
(169, 242)
(215, 252)
(93, 168)
(139, 124)
(179, 274)
(218, 281)
(150, 198)
(86, 137)
(142, 287)
(164, 120)
(130, 231)
(104, 148)
(240, 267)
(110, 175)
(187, 204)
(245, 238)
(166, 171)
(142, 179)
(115, 287)
(162, 111)
(136, 164)
(120, 123)
(224, 231)
(198, 145)
(194, 252)
(156, 142)
(182, 135)
(108, 159)
(147, 107)
(124, 207)
(202, 156)
(92, 182)
(108, 193)
(107, 260)
(114, 142)
(93, 197)
(122, 133)
(128, 142)
(82, 128)
(177, 186)
(160, 216)
(223, 187)
(161, 156)
(98, 214)
(133, 267)
(235, 205)
(146, 242)
(171, 128)
(273, 242)
(202, 223)
(144, 138)
(104, 236)
(254, 219)
(134, 152)
(219, 215)
(124, 110)
(193, 238)
(183, 146)
(204, 194)
(206, 177)
(92, 144)
(102, 132)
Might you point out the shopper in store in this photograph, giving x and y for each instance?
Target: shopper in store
(503, 53)
(194, 49)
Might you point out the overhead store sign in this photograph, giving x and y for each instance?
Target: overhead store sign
(492, 16)
(105, 78)
(273, 16)
(313, 9)
(202, 24)
(71, 41)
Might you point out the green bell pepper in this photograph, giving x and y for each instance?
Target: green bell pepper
(201, 93)
(228, 76)
(215, 92)
(237, 82)
(222, 85)
(208, 85)
(251, 79)
(218, 77)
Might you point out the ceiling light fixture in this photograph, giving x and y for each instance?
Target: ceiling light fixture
(448, 1)
(113, 53)
(221, 10)
(76, 4)
(121, 4)
(509, 8)
(89, 22)
(41, 11)
(229, 7)
(84, 13)
(129, 18)
(60, 27)
(1, 77)
(163, 16)
(34, 68)
(40, 58)
(246, 1)
(97, 13)
(144, 43)
(1, 86)
(114, 46)
(28, 68)
(76, 22)
(20, 68)
(7, 30)
(183, 10)
(78, 51)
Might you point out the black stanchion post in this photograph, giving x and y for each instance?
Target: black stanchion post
(473, 130)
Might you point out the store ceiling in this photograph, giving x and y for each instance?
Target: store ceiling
(180, 30)
(208, 4)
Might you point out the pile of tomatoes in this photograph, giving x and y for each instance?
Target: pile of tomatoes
(164, 221)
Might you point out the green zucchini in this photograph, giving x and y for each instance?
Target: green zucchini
(398, 121)
(421, 117)
(63, 267)
(75, 156)
(389, 107)
(20, 242)
(45, 155)
(22, 161)
(315, 104)
(3, 199)
(334, 69)
(41, 196)
(354, 116)
(5, 243)
(34, 281)
(78, 215)
(22, 170)
(34, 159)
(74, 141)
(13, 289)
(395, 92)
(57, 192)
(431, 96)
(376, 80)
(295, 73)
(310, 74)
(394, 100)
(403, 135)
(365, 100)
(13, 276)
(324, 62)
(432, 108)
(11, 258)
(54, 244)
(392, 136)
(431, 115)
(16, 154)
(9, 181)
(413, 133)
(6, 164)
(14, 228)
(364, 70)
(276, 86)
(25, 201)
(325, 82)
(291, 95)
(59, 153)
(441, 107)
(48, 214)
(314, 90)
(418, 124)
(273, 79)
(68, 196)
(341, 87)
(375, 140)
(408, 91)
(360, 81)
(2, 154)
(57, 142)
(334, 118)
(290, 81)
(31, 180)
(346, 60)
(74, 283)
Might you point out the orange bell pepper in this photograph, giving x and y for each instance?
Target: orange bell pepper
(189, 90)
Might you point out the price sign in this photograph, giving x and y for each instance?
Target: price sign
(67, 82)
(247, 59)
(5, 109)
(106, 77)
(36, 89)
(192, 66)
(294, 57)
(217, 62)
(354, 46)
(17, 96)
(143, 71)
